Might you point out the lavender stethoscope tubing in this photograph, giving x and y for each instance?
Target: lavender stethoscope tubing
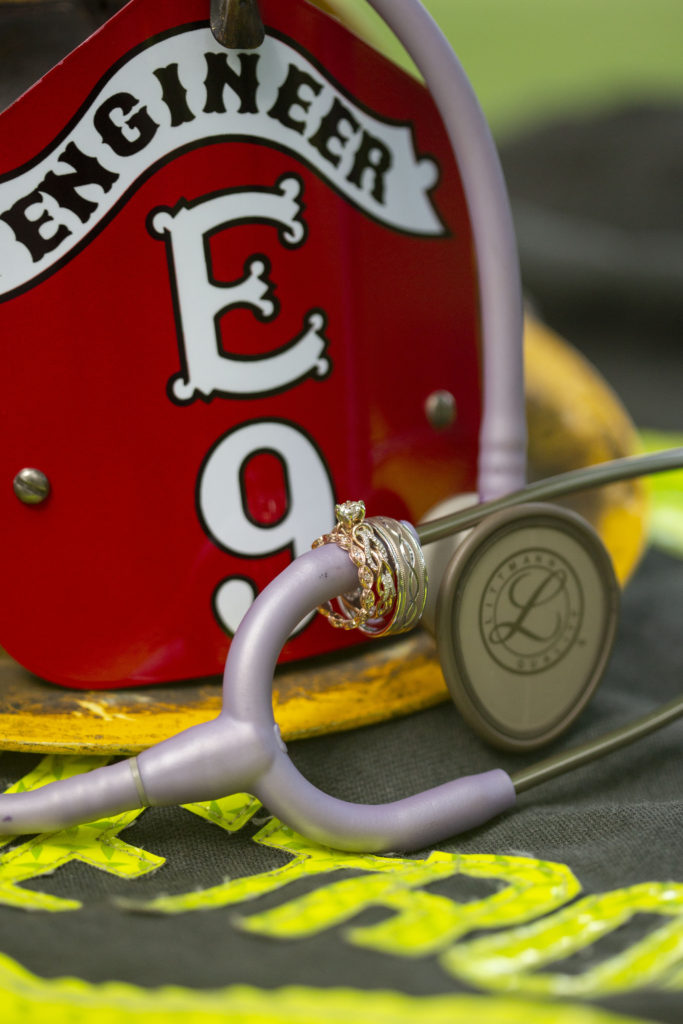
(502, 437)
(241, 749)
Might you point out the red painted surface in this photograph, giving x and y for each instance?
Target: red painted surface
(112, 581)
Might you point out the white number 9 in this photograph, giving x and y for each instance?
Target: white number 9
(222, 501)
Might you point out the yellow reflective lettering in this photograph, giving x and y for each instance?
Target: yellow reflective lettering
(96, 844)
(516, 960)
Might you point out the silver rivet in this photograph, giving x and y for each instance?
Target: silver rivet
(31, 486)
(440, 409)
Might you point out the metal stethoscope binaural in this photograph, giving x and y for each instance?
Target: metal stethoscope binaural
(525, 614)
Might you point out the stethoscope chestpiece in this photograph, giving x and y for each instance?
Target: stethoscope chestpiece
(525, 622)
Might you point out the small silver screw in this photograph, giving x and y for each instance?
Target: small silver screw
(31, 486)
(440, 409)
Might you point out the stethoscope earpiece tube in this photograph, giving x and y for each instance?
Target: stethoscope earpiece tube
(553, 487)
(576, 757)
(502, 437)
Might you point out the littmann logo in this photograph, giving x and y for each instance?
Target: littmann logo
(531, 611)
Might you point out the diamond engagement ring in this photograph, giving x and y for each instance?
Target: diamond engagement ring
(392, 578)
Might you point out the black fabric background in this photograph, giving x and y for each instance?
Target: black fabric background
(614, 823)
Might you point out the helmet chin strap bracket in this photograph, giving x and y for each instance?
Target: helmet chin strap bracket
(236, 24)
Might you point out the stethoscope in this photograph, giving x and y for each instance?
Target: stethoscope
(525, 617)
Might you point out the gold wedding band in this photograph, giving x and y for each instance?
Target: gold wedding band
(392, 577)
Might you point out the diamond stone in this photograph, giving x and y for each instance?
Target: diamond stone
(350, 513)
(365, 576)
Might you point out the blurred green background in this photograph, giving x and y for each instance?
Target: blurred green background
(529, 60)
(533, 60)
(585, 100)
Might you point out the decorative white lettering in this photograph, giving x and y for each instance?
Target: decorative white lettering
(170, 97)
(200, 301)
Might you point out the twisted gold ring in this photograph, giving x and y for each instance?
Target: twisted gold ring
(392, 577)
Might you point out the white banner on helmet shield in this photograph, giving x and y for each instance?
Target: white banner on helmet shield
(182, 91)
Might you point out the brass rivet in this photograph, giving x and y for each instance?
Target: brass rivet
(31, 486)
(440, 409)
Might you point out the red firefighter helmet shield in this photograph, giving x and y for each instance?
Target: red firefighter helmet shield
(231, 283)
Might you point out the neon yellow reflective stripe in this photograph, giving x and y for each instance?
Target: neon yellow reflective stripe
(27, 999)
(666, 518)
(541, 927)
(224, 894)
(512, 961)
(230, 812)
(428, 923)
(424, 923)
(308, 859)
(96, 844)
